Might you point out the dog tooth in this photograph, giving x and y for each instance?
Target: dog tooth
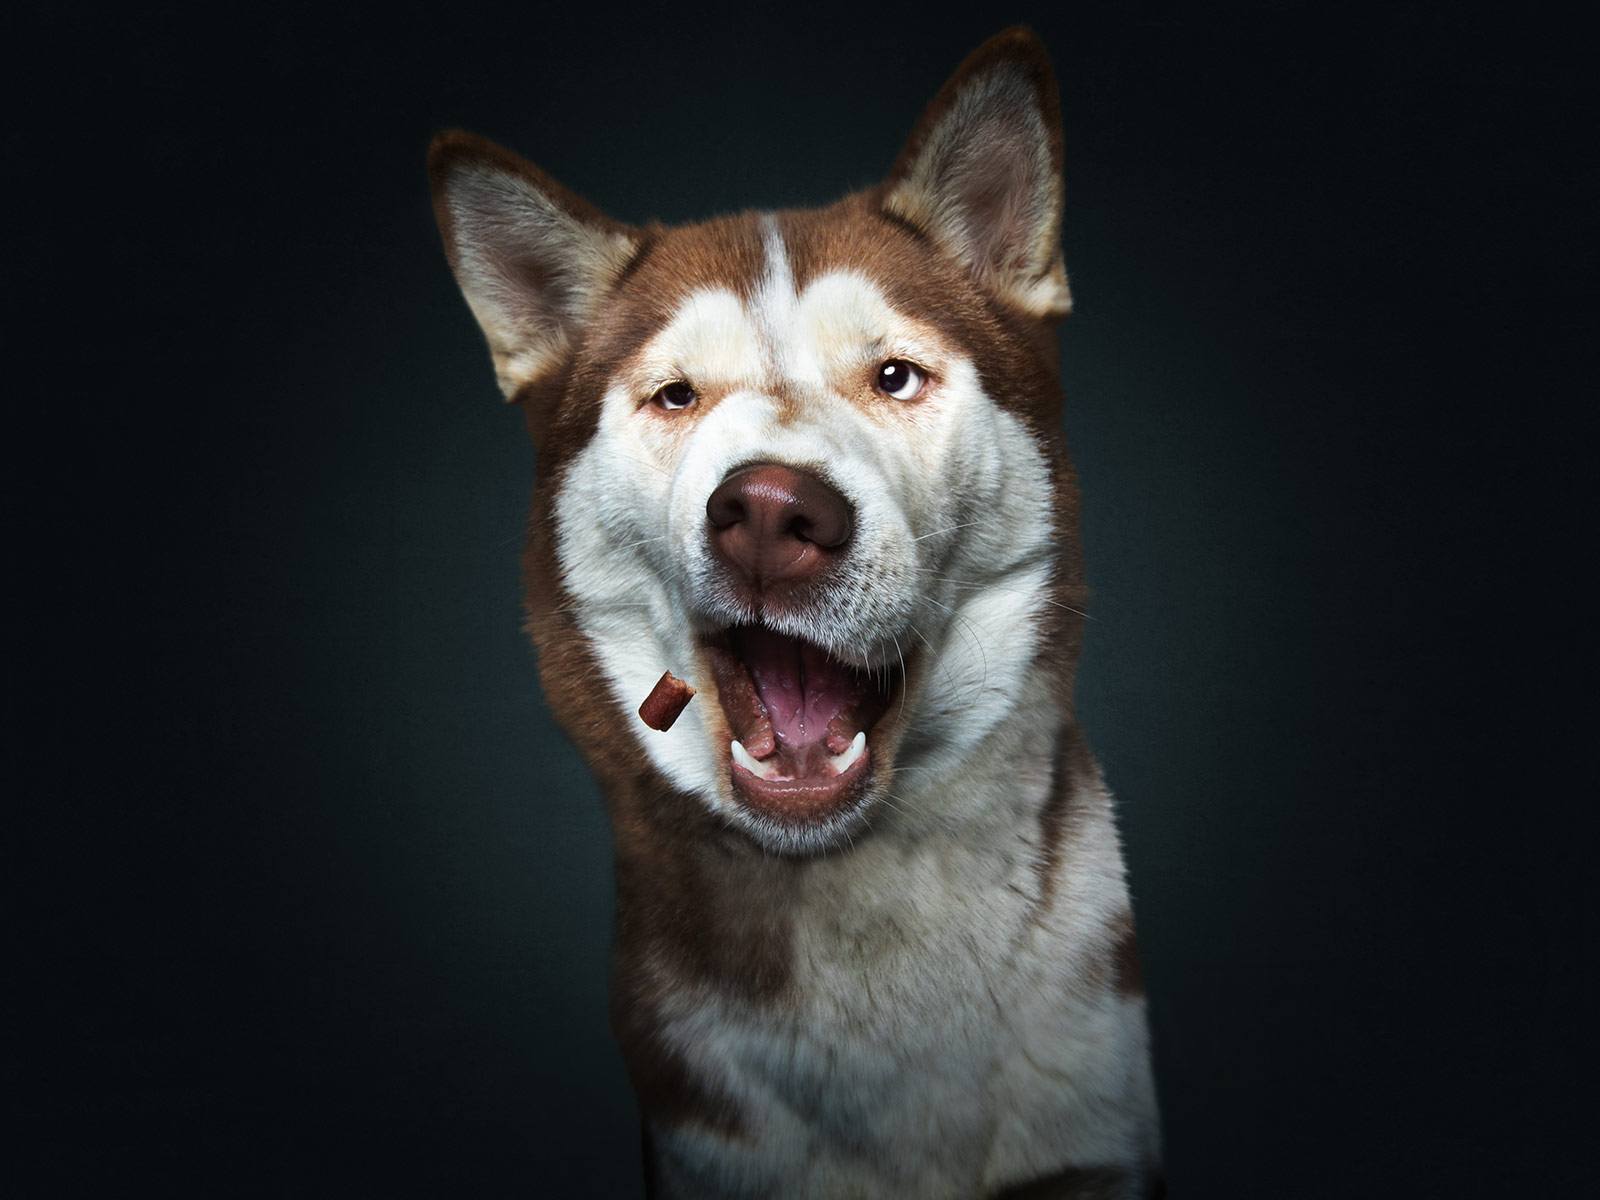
(843, 762)
(745, 759)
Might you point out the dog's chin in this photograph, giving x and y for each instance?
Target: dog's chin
(813, 835)
(810, 737)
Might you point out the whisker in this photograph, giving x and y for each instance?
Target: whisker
(999, 587)
(641, 542)
(977, 640)
(949, 529)
(643, 462)
(901, 656)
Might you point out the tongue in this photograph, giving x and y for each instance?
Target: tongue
(801, 688)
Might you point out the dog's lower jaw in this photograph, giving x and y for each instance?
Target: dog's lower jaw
(803, 801)
(949, 963)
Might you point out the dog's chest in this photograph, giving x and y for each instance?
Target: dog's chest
(935, 1016)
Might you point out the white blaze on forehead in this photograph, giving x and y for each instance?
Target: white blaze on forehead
(775, 299)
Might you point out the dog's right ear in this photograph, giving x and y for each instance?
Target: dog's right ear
(532, 258)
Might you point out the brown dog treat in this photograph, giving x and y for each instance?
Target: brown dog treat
(666, 700)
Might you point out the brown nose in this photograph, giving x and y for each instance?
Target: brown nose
(776, 524)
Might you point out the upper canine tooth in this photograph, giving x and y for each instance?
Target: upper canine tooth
(843, 762)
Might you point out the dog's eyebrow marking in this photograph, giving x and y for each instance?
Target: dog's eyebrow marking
(846, 322)
(710, 339)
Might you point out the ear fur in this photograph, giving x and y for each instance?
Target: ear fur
(981, 174)
(532, 258)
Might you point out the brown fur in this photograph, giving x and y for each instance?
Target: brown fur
(700, 906)
(1074, 771)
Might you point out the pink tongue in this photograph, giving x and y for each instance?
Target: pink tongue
(800, 686)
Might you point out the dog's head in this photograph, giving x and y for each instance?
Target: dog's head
(807, 460)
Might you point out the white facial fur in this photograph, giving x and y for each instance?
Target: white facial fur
(951, 551)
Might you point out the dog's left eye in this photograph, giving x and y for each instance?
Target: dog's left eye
(674, 396)
(899, 379)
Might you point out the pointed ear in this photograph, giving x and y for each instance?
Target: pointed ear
(981, 174)
(532, 258)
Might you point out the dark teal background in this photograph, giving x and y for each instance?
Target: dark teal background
(312, 898)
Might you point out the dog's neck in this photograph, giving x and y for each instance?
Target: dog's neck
(704, 896)
(949, 921)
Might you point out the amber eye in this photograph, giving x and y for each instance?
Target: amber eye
(899, 379)
(674, 396)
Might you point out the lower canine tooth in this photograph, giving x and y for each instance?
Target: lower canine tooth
(743, 758)
(843, 762)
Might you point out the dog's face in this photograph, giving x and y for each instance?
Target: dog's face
(805, 460)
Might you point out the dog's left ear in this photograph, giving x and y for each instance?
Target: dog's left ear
(981, 174)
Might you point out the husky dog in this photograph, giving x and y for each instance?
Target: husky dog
(873, 936)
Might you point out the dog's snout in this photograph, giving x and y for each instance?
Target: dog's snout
(777, 524)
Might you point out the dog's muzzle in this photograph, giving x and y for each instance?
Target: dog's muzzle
(799, 717)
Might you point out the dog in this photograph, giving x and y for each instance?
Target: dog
(873, 936)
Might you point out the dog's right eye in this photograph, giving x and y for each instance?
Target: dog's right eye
(674, 396)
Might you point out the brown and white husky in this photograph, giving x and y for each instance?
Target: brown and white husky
(873, 936)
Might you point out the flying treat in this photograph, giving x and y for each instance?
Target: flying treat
(666, 700)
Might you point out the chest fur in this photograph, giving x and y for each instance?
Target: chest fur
(952, 1018)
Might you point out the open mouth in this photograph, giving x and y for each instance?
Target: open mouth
(799, 720)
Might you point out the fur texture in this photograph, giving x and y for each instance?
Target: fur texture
(924, 983)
